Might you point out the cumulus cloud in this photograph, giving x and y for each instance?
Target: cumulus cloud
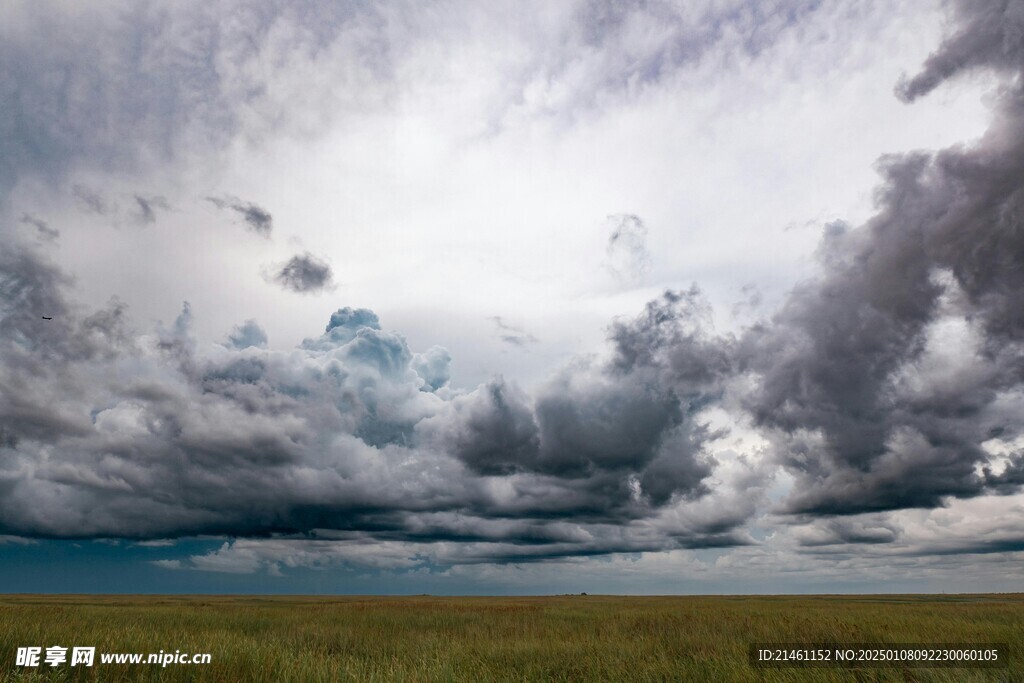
(881, 380)
(434, 367)
(492, 430)
(158, 435)
(248, 334)
(627, 432)
(303, 273)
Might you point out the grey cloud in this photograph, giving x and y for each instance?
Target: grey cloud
(856, 381)
(144, 207)
(674, 333)
(598, 424)
(976, 527)
(492, 430)
(7, 438)
(257, 219)
(158, 436)
(93, 201)
(147, 207)
(245, 556)
(627, 432)
(1011, 479)
(616, 49)
(106, 431)
(304, 273)
(679, 466)
(987, 35)
(639, 415)
(43, 228)
(975, 546)
(843, 531)
(170, 436)
(101, 97)
(872, 405)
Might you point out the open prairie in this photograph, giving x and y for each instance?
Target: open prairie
(426, 638)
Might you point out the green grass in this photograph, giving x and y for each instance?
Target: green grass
(564, 638)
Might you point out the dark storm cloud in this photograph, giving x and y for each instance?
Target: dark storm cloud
(257, 219)
(877, 384)
(988, 35)
(159, 435)
(673, 334)
(150, 434)
(876, 539)
(1011, 479)
(493, 430)
(626, 432)
(882, 379)
(603, 424)
(304, 273)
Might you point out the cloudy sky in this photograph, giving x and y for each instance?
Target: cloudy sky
(512, 297)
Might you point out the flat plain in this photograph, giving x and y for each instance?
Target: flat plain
(555, 638)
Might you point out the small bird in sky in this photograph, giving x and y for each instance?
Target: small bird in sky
(45, 318)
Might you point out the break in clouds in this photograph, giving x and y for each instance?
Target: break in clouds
(891, 381)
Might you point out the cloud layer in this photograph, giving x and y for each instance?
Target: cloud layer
(109, 432)
(887, 388)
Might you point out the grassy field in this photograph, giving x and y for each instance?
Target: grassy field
(564, 638)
